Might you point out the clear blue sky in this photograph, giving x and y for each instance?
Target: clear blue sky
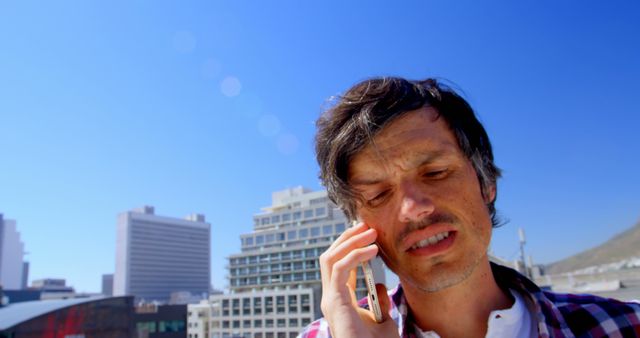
(209, 107)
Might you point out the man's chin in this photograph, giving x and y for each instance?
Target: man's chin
(440, 276)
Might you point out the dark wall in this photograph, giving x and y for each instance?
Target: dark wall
(104, 318)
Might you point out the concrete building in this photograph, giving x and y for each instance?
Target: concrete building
(160, 321)
(267, 313)
(53, 288)
(157, 255)
(11, 256)
(274, 282)
(107, 284)
(25, 275)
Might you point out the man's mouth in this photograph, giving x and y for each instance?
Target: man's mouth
(430, 241)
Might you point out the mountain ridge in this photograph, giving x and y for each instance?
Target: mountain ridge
(621, 246)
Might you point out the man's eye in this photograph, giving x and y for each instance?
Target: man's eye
(377, 199)
(436, 173)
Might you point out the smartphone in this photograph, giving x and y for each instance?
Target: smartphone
(374, 302)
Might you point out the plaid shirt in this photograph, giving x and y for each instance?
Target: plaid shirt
(558, 315)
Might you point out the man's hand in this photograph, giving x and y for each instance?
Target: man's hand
(339, 304)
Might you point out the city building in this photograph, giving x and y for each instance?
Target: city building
(11, 255)
(157, 255)
(274, 282)
(160, 321)
(53, 288)
(107, 284)
(25, 275)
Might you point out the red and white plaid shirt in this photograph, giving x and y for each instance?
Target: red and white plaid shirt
(558, 315)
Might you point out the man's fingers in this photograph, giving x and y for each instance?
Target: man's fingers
(341, 270)
(356, 229)
(336, 253)
(353, 279)
(356, 241)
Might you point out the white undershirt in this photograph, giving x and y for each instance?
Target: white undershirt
(515, 321)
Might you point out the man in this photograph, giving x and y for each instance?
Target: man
(410, 161)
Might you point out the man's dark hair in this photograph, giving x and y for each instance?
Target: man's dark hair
(365, 109)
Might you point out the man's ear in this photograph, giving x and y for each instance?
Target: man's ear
(490, 194)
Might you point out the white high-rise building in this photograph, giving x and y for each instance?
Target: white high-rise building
(11, 255)
(157, 255)
(275, 284)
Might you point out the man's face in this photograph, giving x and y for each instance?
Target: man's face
(422, 196)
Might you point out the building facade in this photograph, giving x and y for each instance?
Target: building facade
(157, 255)
(274, 282)
(160, 321)
(75, 317)
(107, 284)
(11, 256)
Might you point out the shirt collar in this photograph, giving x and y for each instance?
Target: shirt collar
(507, 279)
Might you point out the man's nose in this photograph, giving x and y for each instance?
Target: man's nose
(415, 204)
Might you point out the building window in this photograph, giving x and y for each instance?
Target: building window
(275, 219)
(257, 323)
(265, 221)
(318, 200)
(293, 322)
(315, 231)
(304, 233)
(282, 322)
(269, 323)
(321, 211)
(292, 234)
(248, 241)
(327, 230)
(286, 217)
(297, 215)
(308, 213)
(268, 305)
(259, 239)
(339, 228)
(149, 327)
(280, 236)
(271, 238)
(310, 253)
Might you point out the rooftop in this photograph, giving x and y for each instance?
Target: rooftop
(14, 314)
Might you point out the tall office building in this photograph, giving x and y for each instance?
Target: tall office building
(274, 282)
(107, 284)
(157, 255)
(25, 275)
(11, 255)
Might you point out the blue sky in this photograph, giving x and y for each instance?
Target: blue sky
(210, 106)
